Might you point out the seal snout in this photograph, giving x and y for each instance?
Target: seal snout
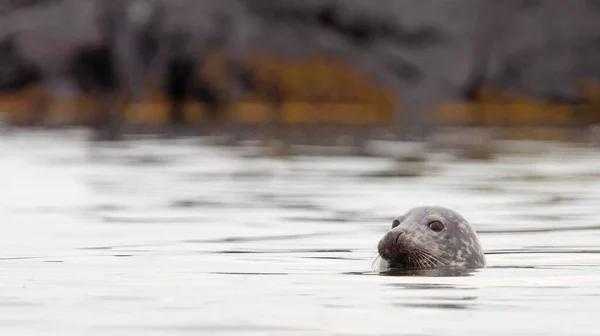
(389, 243)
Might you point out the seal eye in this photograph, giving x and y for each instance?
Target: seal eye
(395, 223)
(436, 226)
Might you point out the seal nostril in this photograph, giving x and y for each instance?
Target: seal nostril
(398, 236)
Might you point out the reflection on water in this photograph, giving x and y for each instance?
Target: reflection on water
(439, 272)
(173, 237)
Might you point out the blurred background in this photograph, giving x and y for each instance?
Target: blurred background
(302, 71)
(200, 165)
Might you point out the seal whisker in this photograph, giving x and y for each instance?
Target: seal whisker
(424, 262)
(379, 264)
(438, 259)
(418, 259)
(417, 262)
(428, 260)
(428, 257)
(375, 265)
(374, 256)
(432, 259)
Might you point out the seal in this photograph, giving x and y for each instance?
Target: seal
(429, 237)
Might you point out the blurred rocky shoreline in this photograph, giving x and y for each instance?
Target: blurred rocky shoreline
(401, 60)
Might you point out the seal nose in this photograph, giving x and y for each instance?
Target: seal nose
(392, 237)
(395, 236)
(388, 241)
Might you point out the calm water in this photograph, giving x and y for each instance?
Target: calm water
(169, 238)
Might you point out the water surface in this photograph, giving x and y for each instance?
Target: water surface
(169, 238)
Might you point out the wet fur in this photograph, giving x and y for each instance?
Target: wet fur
(457, 246)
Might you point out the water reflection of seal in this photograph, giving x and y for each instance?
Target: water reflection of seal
(430, 237)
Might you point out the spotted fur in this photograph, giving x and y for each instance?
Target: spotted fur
(413, 245)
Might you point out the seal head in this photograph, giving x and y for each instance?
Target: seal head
(430, 237)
